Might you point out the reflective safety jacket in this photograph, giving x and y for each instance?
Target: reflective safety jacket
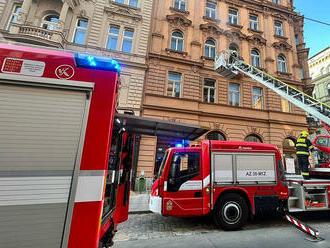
(303, 146)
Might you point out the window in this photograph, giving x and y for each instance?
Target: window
(234, 94)
(253, 138)
(210, 9)
(277, 1)
(278, 28)
(209, 91)
(258, 102)
(297, 39)
(286, 106)
(301, 73)
(233, 16)
(133, 3)
(254, 22)
(113, 38)
(328, 88)
(215, 135)
(281, 64)
(50, 22)
(177, 41)
(210, 49)
(184, 166)
(14, 16)
(80, 32)
(127, 40)
(174, 84)
(180, 4)
(255, 58)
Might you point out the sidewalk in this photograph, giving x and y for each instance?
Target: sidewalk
(138, 203)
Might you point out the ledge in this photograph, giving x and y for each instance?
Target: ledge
(255, 31)
(287, 74)
(280, 37)
(185, 12)
(234, 25)
(207, 58)
(209, 19)
(168, 50)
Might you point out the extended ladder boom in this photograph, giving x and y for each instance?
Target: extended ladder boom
(228, 64)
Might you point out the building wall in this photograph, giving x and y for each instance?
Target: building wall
(270, 124)
(319, 66)
(100, 15)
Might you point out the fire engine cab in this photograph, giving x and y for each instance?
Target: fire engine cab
(231, 180)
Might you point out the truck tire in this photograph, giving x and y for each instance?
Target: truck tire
(231, 212)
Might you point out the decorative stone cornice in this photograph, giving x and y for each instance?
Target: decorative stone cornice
(233, 33)
(117, 10)
(179, 11)
(257, 39)
(211, 28)
(158, 35)
(196, 43)
(179, 20)
(282, 46)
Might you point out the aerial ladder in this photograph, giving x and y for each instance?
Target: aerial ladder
(228, 64)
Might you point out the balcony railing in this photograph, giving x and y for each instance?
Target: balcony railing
(37, 34)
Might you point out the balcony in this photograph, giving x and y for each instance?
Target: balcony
(36, 35)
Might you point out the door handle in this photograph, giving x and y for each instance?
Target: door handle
(198, 194)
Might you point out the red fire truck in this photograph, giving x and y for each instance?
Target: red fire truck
(60, 149)
(232, 180)
(66, 153)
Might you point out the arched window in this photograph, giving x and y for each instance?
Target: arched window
(210, 48)
(281, 63)
(215, 135)
(253, 138)
(50, 22)
(255, 58)
(234, 47)
(177, 41)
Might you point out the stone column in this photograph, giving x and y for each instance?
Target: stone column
(24, 11)
(63, 14)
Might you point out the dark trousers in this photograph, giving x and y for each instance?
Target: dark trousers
(303, 164)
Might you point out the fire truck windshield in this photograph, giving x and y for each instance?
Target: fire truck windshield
(162, 165)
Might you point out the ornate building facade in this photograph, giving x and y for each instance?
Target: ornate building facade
(112, 28)
(182, 86)
(319, 69)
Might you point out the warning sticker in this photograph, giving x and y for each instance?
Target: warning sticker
(23, 67)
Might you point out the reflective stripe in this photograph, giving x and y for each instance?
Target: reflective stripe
(90, 186)
(301, 140)
(305, 173)
(302, 153)
(311, 147)
(304, 145)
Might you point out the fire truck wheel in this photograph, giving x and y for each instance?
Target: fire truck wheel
(231, 212)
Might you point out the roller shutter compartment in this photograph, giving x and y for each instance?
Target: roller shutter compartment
(40, 131)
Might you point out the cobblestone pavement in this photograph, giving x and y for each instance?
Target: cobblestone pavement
(146, 226)
(153, 226)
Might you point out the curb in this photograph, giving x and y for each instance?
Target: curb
(140, 212)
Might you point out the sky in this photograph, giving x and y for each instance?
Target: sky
(317, 36)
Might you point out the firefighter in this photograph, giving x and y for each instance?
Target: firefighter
(303, 146)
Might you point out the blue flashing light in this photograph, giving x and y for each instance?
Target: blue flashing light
(99, 63)
(179, 145)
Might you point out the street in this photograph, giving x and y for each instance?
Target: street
(151, 230)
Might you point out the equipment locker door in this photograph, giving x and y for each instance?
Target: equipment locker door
(183, 190)
(41, 130)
